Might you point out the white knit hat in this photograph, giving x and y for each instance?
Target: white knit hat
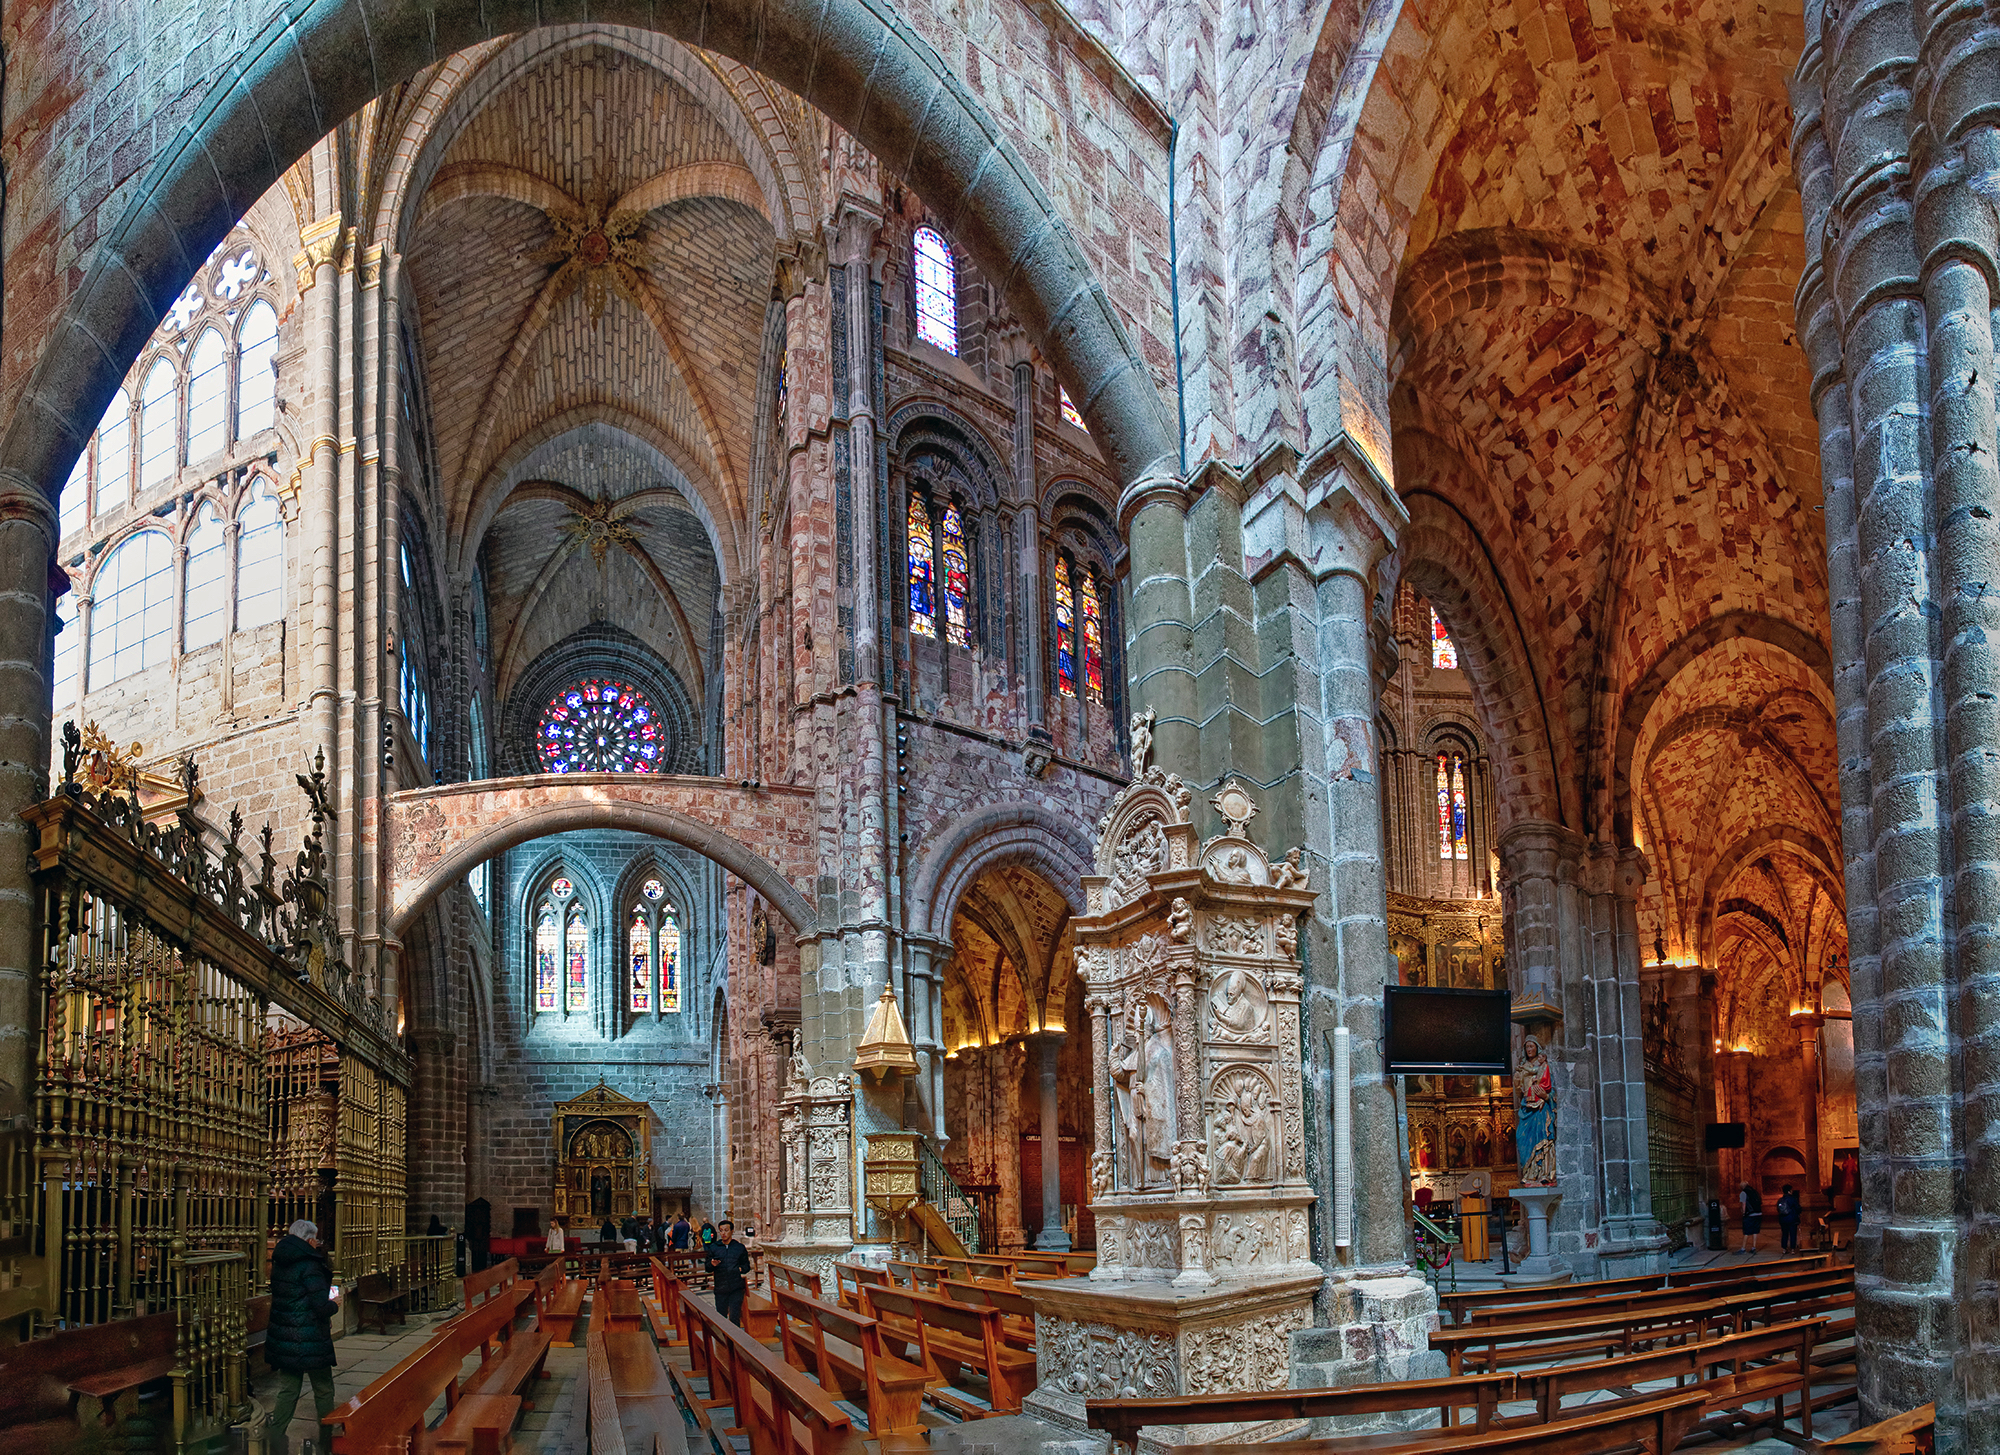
(303, 1229)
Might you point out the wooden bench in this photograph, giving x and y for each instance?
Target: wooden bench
(780, 1410)
(1017, 1314)
(631, 1393)
(1040, 1265)
(559, 1304)
(378, 1295)
(1914, 1432)
(1489, 1346)
(1463, 1302)
(799, 1280)
(851, 1278)
(1639, 1300)
(615, 1308)
(513, 1359)
(923, 1277)
(948, 1338)
(843, 1351)
(1654, 1425)
(1481, 1395)
(388, 1416)
(256, 1324)
(477, 1287)
(985, 1270)
(47, 1378)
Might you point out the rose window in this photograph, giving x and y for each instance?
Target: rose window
(600, 726)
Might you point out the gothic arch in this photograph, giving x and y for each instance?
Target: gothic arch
(1020, 832)
(321, 61)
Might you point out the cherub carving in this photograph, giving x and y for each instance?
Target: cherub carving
(1292, 873)
(1180, 921)
(1288, 935)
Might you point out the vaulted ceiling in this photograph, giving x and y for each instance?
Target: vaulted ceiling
(1602, 406)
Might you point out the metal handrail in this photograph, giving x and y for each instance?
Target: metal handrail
(941, 1190)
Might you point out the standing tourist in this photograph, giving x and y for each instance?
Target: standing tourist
(1752, 1203)
(555, 1239)
(299, 1343)
(1788, 1219)
(729, 1261)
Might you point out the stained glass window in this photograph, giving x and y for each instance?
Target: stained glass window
(1444, 652)
(654, 890)
(670, 960)
(576, 957)
(640, 944)
(600, 725)
(957, 582)
(545, 959)
(1065, 631)
(1444, 809)
(923, 575)
(1093, 637)
(1457, 807)
(561, 888)
(937, 291)
(1069, 410)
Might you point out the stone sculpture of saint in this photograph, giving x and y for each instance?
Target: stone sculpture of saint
(1143, 1076)
(1535, 1128)
(1237, 1003)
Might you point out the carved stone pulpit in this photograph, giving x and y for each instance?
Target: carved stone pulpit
(1189, 959)
(816, 1215)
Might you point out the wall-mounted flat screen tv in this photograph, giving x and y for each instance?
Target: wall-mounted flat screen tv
(1430, 1032)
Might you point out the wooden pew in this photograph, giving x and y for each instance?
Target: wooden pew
(950, 1337)
(1654, 1425)
(1463, 1302)
(1017, 1321)
(1489, 1346)
(1480, 1394)
(1040, 1265)
(377, 1296)
(1914, 1432)
(477, 1287)
(788, 1275)
(630, 1385)
(47, 1378)
(988, 1270)
(843, 1351)
(1763, 1364)
(559, 1303)
(388, 1416)
(1639, 1300)
(607, 1436)
(664, 1312)
(780, 1410)
(513, 1359)
(851, 1278)
(922, 1277)
(615, 1308)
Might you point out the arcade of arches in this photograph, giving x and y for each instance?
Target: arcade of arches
(774, 515)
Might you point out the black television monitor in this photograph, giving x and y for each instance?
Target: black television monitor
(1724, 1134)
(1427, 1032)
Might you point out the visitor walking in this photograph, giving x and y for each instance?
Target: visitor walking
(1788, 1219)
(682, 1233)
(707, 1232)
(729, 1261)
(1752, 1203)
(299, 1341)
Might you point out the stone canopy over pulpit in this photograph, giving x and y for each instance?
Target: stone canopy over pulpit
(604, 1158)
(1189, 959)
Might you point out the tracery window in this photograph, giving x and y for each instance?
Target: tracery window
(1065, 631)
(1070, 412)
(159, 448)
(600, 725)
(114, 454)
(479, 632)
(1451, 806)
(923, 572)
(204, 597)
(653, 952)
(132, 608)
(260, 560)
(957, 580)
(548, 945)
(257, 370)
(1444, 652)
(937, 290)
(576, 963)
(1093, 637)
(207, 396)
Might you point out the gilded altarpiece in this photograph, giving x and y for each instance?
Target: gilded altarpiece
(605, 1151)
(1189, 958)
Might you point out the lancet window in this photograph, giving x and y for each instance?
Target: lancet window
(561, 949)
(937, 290)
(1444, 652)
(653, 952)
(957, 579)
(1451, 806)
(923, 572)
(1065, 622)
(1093, 634)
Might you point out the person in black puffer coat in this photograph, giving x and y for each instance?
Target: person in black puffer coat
(300, 1341)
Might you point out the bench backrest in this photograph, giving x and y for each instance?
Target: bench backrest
(1123, 1419)
(980, 1325)
(387, 1413)
(925, 1276)
(805, 1324)
(38, 1372)
(606, 1435)
(1655, 1425)
(985, 1295)
(790, 1276)
(794, 1417)
(487, 1281)
(1700, 1312)
(1548, 1387)
(1636, 1301)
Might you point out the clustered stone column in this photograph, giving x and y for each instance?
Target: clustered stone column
(1895, 150)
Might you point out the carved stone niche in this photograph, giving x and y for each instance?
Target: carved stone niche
(816, 1157)
(1189, 958)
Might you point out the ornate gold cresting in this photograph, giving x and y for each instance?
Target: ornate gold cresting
(600, 525)
(597, 251)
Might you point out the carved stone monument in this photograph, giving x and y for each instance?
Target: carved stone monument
(1189, 958)
(816, 1154)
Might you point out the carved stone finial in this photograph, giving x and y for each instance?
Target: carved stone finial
(1236, 806)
